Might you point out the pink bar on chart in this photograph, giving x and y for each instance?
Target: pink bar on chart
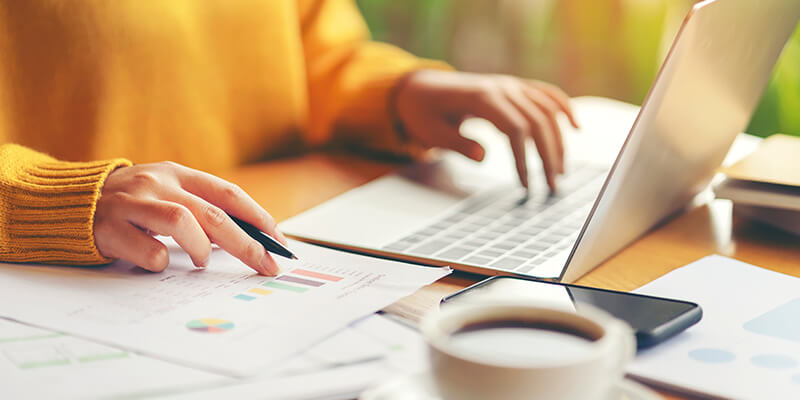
(318, 275)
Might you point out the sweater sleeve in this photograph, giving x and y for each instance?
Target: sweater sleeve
(47, 207)
(351, 79)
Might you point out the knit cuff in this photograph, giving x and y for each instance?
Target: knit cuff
(48, 207)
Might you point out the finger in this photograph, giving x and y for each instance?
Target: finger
(561, 98)
(448, 136)
(517, 141)
(168, 219)
(131, 244)
(225, 233)
(499, 111)
(550, 109)
(541, 133)
(231, 199)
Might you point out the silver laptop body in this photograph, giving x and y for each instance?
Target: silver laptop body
(473, 217)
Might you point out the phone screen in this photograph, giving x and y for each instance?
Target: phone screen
(653, 318)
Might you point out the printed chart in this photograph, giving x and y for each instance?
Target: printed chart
(210, 325)
(224, 319)
(72, 367)
(297, 281)
(748, 343)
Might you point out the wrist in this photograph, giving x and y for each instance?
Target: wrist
(399, 94)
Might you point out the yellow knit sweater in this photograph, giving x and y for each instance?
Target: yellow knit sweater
(209, 84)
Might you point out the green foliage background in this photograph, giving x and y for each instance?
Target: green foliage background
(609, 48)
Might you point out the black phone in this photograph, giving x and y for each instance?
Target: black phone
(654, 319)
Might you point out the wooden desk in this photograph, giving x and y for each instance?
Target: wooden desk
(288, 187)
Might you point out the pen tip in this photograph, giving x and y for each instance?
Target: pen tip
(294, 257)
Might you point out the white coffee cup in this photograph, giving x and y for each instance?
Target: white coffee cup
(506, 351)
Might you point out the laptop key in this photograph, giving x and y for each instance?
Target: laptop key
(490, 253)
(457, 235)
(430, 248)
(550, 240)
(564, 231)
(428, 232)
(415, 238)
(478, 260)
(525, 268)
(455, 253)
(474, 243)
(504, 245)
(508, 262)
(538, 247)
(525, 254)
(519, 238)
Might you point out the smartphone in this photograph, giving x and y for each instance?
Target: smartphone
(654, 319)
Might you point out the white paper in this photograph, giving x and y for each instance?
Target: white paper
(401, 351)
(153, 313)
(370, 349)
(748, 343)
(40, 364)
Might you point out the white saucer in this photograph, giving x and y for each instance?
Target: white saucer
(421, 387)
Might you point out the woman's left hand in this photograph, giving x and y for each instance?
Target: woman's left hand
(432, 104)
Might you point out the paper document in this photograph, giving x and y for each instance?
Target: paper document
(371, 349)
(223, 319)
(41, 364)
(747, 346)
(331, 368)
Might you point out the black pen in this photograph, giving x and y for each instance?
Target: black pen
(269, 243)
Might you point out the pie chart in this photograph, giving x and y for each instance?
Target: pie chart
(210, 325)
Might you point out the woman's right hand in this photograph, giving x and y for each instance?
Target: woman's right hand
(168, 199)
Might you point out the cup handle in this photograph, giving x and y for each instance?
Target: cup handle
(624, 348)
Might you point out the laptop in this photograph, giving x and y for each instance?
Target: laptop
(473, 217)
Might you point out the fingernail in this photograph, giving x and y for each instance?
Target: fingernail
(478, 154)
(203, 264)
(552, 183)
(268, 265)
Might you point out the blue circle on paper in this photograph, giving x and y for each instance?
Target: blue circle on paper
(796, 379)
(711, 355)
(774, 361)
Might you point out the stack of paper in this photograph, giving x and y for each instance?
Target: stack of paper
(766, 184)
(355, 358)
(222, 320)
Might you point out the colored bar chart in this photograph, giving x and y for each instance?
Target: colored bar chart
(297, 281)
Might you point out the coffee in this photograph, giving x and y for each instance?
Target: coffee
(516, 344)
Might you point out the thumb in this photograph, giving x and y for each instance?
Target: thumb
(468, 147)
(447, 136)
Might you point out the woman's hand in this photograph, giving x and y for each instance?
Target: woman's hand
(169, 199)
(432, 104)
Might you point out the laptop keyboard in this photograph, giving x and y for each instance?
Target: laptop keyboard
(502, 230)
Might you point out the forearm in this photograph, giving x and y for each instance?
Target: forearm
(47, 207)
